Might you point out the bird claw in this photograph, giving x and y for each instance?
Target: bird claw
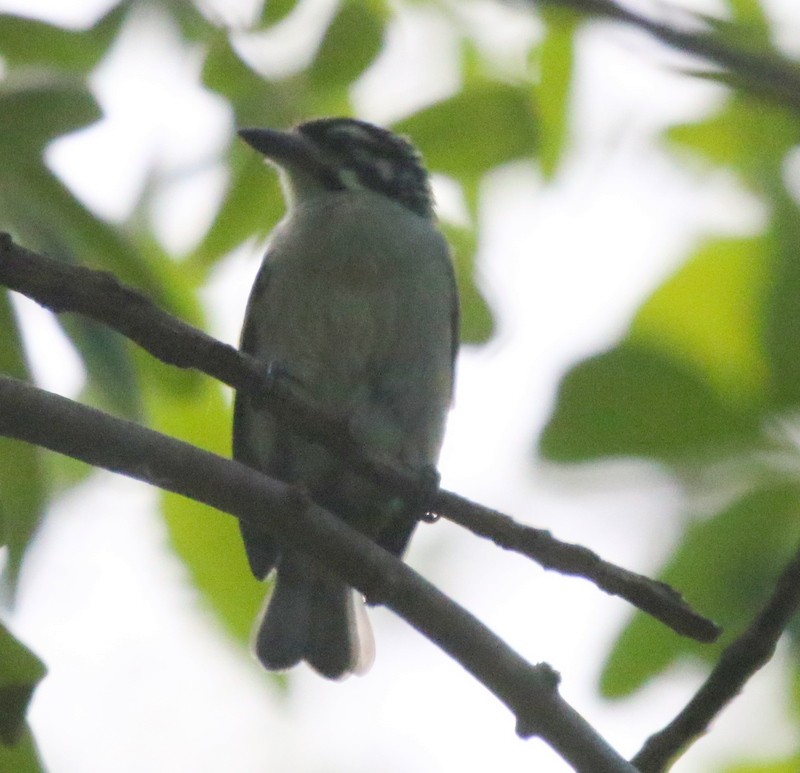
(276, 371)
(428, 486)
(276, 379)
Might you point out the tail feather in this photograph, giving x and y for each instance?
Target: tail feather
(283, 630)
(312, 616)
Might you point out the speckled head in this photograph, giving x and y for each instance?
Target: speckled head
(348, 154)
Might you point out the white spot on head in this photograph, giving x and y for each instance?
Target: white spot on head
(352, 131)
(350, 180)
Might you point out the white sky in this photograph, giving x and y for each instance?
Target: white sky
(140, 679)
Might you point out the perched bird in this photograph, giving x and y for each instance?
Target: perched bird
(356, 302)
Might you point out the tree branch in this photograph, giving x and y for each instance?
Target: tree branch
(656, 598)
(530, 692)
(739, 661)
(764, 73)
(63, 287)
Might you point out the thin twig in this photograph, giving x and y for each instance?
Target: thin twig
(63, 287)
(764, 73)
(651, 596)
(739, 661)
(529, 691)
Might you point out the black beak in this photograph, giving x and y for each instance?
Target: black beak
(284, 148)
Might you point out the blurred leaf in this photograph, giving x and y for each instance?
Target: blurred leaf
(193, 25)
(782, 317)
(23, 489)
(22, 757)
(353, 39)
(111, 382)
(64, 229)
(748, 28)
(225, 73)
(789, 765)
(190, 407)
(758, 68)
(20, 672)
(210, 545)
(485, 125)
(709, 315)
(749, 135)
(44, 216)
(63, 473)
(253, 202)
(794, 674)
(38, 107)
(726, 567)
(256, 101)
(556, 55)
(274, 11)
(635, 401)
(749, 17)
(251, 207)
(477, 325)
(26, 42)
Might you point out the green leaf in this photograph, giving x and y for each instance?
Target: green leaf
(275, 10)
(256, 101)
(789, 765)
(782, 314)
(635, 401)
(481, 127)
(210, 545)
(353, 39)
(251, 207)
(193, 25)
(748, 134)
(750, 18)
(22, 757)
(709, 315)
(748, 28)
(63, 473)
(556, 59)
(253, 202)
(189, 406)
(35, 109)
(226, 73)
(111, 377)
(477, 325)
(20, 672)
(23, 489)
(726, 567)
(45, 216)
(29, 42)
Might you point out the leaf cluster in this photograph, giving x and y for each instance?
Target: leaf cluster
(704, 384)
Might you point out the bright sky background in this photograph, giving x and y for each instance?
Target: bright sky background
(140, 677)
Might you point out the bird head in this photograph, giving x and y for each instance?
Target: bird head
(331, 155)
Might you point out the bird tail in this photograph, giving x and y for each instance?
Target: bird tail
(312, 616)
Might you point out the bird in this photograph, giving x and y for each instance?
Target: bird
(356, 302)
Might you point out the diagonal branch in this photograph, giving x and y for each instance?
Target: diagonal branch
(529, 691)
(65, 287)
(654, 597)
(739, 661)
(762, 72)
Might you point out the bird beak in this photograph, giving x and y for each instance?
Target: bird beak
(287, 149)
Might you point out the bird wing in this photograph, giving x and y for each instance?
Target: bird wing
(262, 552)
